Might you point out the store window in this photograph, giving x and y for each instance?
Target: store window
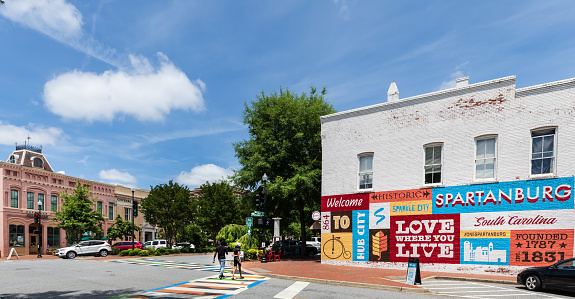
(432, 165)
(14, 198)
(53, 237)
(54, 203)
(30, 201)
(543, 151)
(485, 158)
(365, 171)
(16, 235)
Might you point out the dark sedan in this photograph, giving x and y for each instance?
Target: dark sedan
(560, 275)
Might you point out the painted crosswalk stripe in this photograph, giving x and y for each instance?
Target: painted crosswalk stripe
(292, 290)
(208, 287)
(171, 264)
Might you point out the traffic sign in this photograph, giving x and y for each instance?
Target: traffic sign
(249, 222)
(315, 216)
(257, 214)
(249, 230)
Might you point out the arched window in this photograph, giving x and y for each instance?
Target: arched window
(38, 162)
(12, 159)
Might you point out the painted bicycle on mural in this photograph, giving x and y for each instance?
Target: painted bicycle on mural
(334, 248)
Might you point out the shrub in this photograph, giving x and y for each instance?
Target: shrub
(124, 252)
(115, 251)
(157, 253)
(161, 250)
(176, 251)
(143, 253)
(133, 252)
(252, 254)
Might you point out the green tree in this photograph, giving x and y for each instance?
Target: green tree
(78, 215)
(192, 233)
(285, 143)
(170, 207)
(232, 232)
(121, 229)
(217, 206)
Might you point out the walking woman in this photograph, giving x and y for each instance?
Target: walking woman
(237, 260)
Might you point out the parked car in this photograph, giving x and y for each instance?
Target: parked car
(290, 246)
(91, 247)
(124, 245)
(560, 275)
(315, 242)
(184, 245)
(157, 244)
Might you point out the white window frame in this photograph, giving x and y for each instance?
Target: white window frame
(476, 160)
(127, 214)
(441, 172)
(554, 157)
(363, 173)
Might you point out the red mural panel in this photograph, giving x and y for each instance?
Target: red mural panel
(540, 247)
(431, 238)
(346, 202)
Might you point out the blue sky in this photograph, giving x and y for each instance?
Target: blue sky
(141, 92)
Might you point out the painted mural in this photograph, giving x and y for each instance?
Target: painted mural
(522, 223)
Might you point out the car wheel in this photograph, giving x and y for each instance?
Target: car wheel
(103, 253)
(533, 283)
(70, 255)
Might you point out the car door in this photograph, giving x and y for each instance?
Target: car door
(563, 275)
(83, 248)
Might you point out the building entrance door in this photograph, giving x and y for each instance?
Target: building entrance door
(34, 238)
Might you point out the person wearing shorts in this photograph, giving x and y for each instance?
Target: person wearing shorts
(237, 261)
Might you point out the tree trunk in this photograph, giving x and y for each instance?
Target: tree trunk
(303, 237)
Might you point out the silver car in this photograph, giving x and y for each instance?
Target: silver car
(91, 247)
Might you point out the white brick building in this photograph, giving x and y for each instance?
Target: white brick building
(469, 141)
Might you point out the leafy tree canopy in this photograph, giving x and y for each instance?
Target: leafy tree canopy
(217, 207)
(121, 229)
(78, 214)
(170, 207)
(232, 232)
(285, 143)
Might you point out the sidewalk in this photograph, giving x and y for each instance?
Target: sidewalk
(388, 279)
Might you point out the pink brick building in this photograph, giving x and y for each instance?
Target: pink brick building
(27, 179)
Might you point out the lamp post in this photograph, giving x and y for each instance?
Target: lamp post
(133, 190)
(264, 180)
(39, 229)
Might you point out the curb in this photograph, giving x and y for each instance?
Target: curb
(473, 279)
(346, 283)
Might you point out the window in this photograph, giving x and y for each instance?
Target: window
(53, 237)
(485, 158)
(366, 171)
(12, 159)
(127, 213)
(542, 151)
(14, 198)
(16, 235)
(30, 202)
(41, 200)
(111, 212)
(54, 203)
(38, 162)
(99, 207)
(433, 164)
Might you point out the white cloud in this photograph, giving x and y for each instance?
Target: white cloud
(145, 92)
(200, 174)
(11, 134)
(450, 83)
(117, 177)
(55, 18)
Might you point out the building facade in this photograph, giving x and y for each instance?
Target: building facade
(479, 175)
(29, 185)
(125, 198)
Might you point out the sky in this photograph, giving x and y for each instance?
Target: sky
(138, 93)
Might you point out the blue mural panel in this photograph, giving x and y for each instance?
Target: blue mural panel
(550, 194)
(360, 225)
(485, 251)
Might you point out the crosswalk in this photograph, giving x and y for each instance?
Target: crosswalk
(209, 287)
(476, 290)
(171, 264)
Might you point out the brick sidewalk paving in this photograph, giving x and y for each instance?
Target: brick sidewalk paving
(367, 277)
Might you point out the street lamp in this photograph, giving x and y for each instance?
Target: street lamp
(133, 205)
(264, 180)
(39, 228)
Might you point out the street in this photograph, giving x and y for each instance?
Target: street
(170, 277)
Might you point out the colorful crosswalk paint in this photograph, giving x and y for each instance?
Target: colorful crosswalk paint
(208, 287)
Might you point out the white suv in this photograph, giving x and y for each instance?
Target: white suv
(156, 244)
(92, 247)
(315, 242)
